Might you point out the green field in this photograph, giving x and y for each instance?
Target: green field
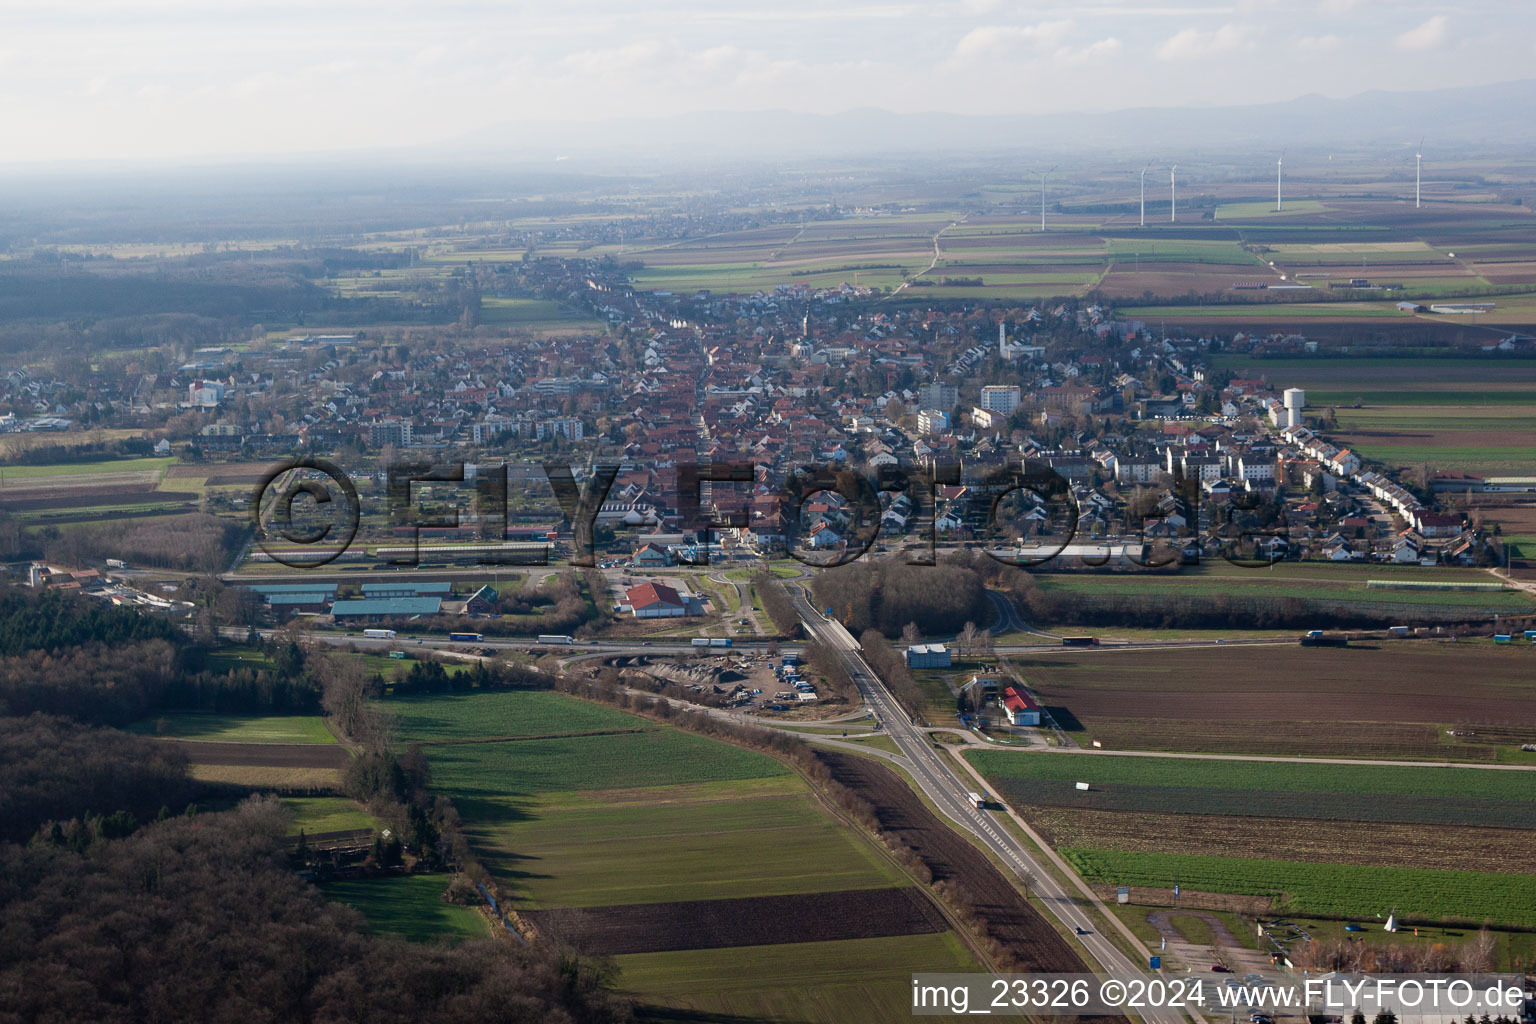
(235, 658)
(457, 716)
(1270, 776)
(1266, 209)
(191, 725)
(661, 815)
(842, 982)
(1322, 888)
(657, 757)
(1345, 584)
(409, 906)
(713, 840)
(525, 312)
(314, 814)
(88, 468)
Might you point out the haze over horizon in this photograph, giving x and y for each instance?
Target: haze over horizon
(167, 80)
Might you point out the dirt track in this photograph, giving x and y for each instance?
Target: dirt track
(758, 921)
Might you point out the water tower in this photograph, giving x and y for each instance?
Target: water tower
(1295, 401)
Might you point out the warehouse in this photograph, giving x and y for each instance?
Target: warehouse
(655, 601)
(374, 608)
(291, 598)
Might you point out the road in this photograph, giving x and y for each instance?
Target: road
(941, 785)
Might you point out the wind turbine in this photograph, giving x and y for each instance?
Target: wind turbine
(1042, 196)
(1173, 194)
(1418, 160)
(1279, 171)
(1144, 171)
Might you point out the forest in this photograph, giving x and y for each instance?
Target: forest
(123, 901)
(887, 594)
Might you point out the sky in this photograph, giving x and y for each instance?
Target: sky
(165, 80)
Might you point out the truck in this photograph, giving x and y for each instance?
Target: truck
(720, 641)
(700, 641)
(556, 638)
(1079, 641)
(1317, 638)
(1399, 630)
(380, 634)
(465, 638)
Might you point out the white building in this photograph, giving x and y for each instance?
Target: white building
(205, 394)
(931, 421)
(1003, 398)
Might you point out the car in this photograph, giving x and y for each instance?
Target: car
(645, 643)
(1082, 931)
(1221, 968)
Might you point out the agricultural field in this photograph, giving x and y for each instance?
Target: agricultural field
(1384, 698)
(1391, 382)
(316, 815)
(443, 718)
(534, 314)
(282, 752)
(1485, 440)
(563, 798)
(100, 486)
(191, 725)
(1474, 416)
(855, 980)
(1340, 889)
(409, 906)
(1344, 585)
(1339, 839)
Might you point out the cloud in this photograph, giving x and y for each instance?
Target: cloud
(1319, 43)
(1193, 43)
(1426, 36)
(1109, 47)
(1001, 38)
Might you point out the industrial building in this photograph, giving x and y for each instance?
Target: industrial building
(385, 607)
(655, 601)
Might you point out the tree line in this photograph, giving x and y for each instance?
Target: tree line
(776, 602)
(887, 594)
(195, 542)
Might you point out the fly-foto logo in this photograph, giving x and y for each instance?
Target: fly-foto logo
(306, 513)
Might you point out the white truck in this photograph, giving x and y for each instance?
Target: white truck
(700, 641)
(380, 634)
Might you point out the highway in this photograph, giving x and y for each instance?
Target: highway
(938, 781)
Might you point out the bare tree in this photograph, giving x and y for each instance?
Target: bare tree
(966, 641)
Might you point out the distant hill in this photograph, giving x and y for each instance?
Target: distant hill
(1496, 115)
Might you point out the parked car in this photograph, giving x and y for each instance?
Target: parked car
(1221, 968)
